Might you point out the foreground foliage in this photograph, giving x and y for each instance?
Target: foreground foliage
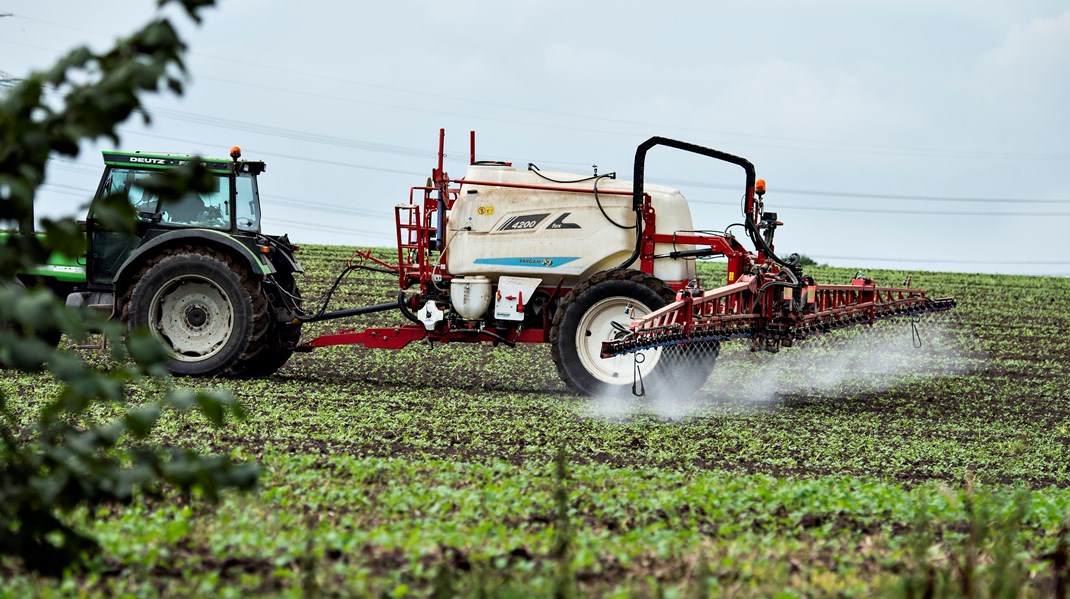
(431, 470)
(59, 457)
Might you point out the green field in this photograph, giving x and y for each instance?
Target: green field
(857, 466)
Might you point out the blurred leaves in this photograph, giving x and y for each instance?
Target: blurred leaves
(65, 460)
(114, 213)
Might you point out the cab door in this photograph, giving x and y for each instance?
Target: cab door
(108, 249)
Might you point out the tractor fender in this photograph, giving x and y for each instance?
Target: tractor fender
(203, 237)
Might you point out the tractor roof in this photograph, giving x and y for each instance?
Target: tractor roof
(166, 161)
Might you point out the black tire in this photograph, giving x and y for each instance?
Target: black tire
(205, 309)
(583, 321)
(279, 341)
(284, 337)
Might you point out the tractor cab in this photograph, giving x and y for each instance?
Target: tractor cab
(232, 207)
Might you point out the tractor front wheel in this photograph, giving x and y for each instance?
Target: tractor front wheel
(203, 309)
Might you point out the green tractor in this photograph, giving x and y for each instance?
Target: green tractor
(220, 295)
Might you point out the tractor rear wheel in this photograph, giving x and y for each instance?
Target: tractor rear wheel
(280, 339)
(207, 311)
(600, 309)
(283, 338)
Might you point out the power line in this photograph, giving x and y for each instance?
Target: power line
(72, 190)
(938, 261)
(287, 156)
(280, 132)
(300, 203)
(320, 207)
(891, 211)
(321, 227)
(345, 230)
(412, 152)
(691, 183)
(376, 147)
(874, 196)
(725, 186)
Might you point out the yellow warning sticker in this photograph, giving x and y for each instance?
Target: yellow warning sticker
(485, 210)
(731, 276)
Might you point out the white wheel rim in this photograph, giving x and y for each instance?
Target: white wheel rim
(596, 327)
(193, 318)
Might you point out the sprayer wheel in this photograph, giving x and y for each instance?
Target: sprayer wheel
(597, 310)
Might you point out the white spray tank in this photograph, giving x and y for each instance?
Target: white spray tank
(508, 222)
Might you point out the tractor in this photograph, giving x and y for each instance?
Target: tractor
(220, 295)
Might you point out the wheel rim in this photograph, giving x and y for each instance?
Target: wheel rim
(193, 317)
(596, 327)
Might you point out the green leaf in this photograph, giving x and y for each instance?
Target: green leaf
(211, 407)
(181, 399)
(193, 7)
(114, 213)
(140, 421)
(64, 237)
(144, 348)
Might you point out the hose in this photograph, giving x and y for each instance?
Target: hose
(598, 201)
(333, 288)
(405, 308)
(535, 169)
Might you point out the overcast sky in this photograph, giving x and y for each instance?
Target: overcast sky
(914, 134)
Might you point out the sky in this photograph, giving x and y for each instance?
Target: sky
(906, 134)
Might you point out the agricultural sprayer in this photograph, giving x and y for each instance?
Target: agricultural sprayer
(604, 271)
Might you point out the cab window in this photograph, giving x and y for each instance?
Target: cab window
(206, 210)
(121, 180)
(210, 210)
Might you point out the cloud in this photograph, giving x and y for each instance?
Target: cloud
(777, 98)
(1032, 62)
(823, 103)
